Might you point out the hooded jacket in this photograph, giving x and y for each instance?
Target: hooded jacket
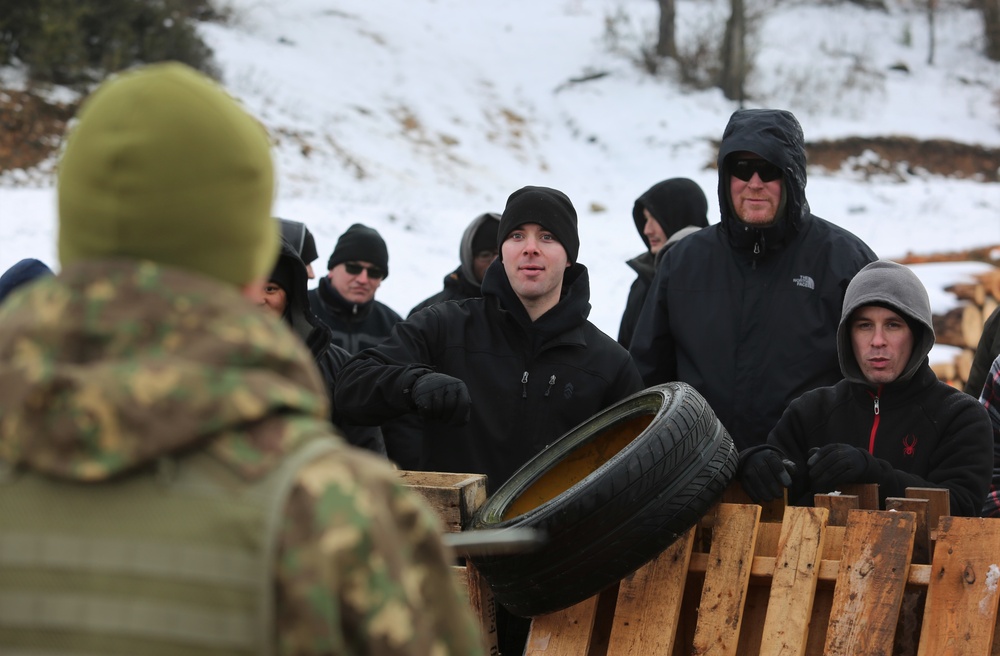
(354, 326)
(529, 382)
(915, 431)
(317, 337)
(461, 283)
(680, 207)
(748, 316)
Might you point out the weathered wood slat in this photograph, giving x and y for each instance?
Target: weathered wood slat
(960, 616)
(564, 633)
(720, 612)
(793, 584)
(649, 602)
(869, 590)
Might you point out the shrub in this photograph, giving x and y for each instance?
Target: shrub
(75, 42)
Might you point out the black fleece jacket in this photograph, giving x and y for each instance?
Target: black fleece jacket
(748, 316)
(355, 326)
(530, 382)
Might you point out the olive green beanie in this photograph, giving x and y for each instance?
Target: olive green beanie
(165, 166)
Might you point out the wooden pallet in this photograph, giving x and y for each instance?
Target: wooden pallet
(835, 579)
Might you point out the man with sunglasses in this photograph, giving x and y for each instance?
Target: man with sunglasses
(746, 310)
(345, 298)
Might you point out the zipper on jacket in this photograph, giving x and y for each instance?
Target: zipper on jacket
(759, 246)
(552, 381)
(871, 438)
(524, 385)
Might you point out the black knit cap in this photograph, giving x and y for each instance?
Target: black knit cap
(549, 208)
(360, 243)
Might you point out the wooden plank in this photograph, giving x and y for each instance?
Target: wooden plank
(563, 633)
(454, 497)
(922, 538)
(793, 585)
(961, 610)
(870, 585)
(839, 506)
(483, 605)
(649, 602)
(724, 593)
(867, 494)
(939, 502)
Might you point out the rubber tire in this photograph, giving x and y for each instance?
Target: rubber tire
(621, 514)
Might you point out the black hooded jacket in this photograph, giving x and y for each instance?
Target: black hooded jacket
(748, 316)
(355, 326)
(529, 382)
(329, 357)
(916, 431)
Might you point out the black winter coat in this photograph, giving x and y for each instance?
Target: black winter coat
(749, 316)
(530, 382)
(925, 434)
(643, 266)
(456, 288)
(355, 326)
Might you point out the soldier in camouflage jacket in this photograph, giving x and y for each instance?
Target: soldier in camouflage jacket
(169, 482)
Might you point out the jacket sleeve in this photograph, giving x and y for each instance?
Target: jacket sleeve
(374, 385)
(361, 568)
(652, 345)
(991, 401)
(789, 438)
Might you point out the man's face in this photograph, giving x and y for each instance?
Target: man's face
(654, 233)
(482, 261)
(755, 199)
(535, 263)
(274, 299)
(882, 343)
(357, 280)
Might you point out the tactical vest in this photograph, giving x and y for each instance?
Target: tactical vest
(175, 560)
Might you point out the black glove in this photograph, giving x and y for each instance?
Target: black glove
(835, 464)
(442, 397)
(765, 474)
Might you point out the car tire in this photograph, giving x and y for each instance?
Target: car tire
(608, 496)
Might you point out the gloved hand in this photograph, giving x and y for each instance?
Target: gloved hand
(764, 474)
(835, 464)
(442, 397)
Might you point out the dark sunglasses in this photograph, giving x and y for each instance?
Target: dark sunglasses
(355, 269)
(745, 168)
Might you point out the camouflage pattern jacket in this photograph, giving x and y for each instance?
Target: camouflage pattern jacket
(111, 366)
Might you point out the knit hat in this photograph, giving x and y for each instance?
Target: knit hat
(485, 237)
(360, 243)
(22, 273)
(547, 207)
(165, 166)
(675, 203)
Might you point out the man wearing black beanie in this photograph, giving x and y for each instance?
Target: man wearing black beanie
(345, 298)
(498, 378)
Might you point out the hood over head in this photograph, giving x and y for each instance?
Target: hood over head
(165, 166)
(895, 286)
(776, 136)
(676, 203)
(301, 239)
(479, 235)
(290, 273)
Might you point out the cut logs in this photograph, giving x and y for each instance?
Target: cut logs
(962, 326)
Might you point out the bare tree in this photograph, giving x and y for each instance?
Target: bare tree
(734, 57)
(666, 44)
(991, 23)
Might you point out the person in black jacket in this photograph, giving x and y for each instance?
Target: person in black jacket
(345, 298)
(890, 421)
(746, 310)
(990, 398)
(498, 378)
(476, 251)
(285, 294)
(664, 214)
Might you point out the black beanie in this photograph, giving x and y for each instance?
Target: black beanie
(283, 274)
(549, 208)
(360, 243)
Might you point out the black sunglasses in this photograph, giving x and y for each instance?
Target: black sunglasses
(745, 168)
(355, 269)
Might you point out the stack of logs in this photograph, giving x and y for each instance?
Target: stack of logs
(962, 326)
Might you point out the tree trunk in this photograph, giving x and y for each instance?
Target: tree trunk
(734, 63)
(991, 23)
(666, 44)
